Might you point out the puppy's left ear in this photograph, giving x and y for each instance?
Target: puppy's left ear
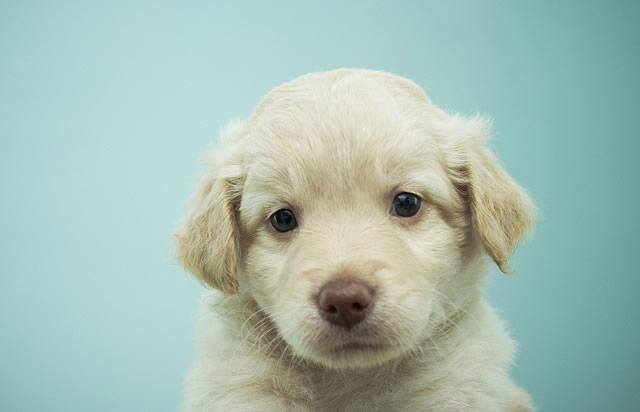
(501, 211)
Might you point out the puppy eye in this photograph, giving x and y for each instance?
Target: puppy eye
(283, 220)
(405, 205)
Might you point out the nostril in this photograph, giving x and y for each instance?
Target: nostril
(331, 309)
(358, 307)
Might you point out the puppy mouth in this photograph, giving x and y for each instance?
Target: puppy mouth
(354, 341)
(363, 346)
(351, 347)
(355, 354)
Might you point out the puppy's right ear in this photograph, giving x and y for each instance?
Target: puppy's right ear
(208, 238)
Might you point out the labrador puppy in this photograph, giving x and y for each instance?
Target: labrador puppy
(347, 228)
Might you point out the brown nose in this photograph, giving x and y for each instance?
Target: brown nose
(345, 303)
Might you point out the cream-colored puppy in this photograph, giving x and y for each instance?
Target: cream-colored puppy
(347, 226)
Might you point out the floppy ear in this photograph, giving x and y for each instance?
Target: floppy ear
(501, 211)
(208, 240)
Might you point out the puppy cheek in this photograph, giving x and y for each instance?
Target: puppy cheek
(438, 258)
(407, 298)
(439, 251)
(264, 264)
(294, 308)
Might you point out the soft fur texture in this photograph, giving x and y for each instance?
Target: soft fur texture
(335, 148)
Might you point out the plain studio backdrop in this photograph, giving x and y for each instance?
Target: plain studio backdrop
(106, 108)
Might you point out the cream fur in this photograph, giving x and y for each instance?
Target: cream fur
(335, 148)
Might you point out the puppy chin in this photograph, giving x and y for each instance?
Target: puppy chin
(364, 346)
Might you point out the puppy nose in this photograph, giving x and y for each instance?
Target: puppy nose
(345, 303)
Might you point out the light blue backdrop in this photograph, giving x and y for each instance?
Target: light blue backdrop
(105, 109)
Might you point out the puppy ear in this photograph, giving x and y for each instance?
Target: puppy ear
(501, 211)
(208, 238)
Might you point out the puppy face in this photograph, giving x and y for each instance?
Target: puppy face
(347, 208)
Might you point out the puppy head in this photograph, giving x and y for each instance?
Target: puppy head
(355, 213)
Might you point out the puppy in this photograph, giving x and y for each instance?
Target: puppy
(347, 227)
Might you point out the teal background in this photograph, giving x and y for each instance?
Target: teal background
(105, 109)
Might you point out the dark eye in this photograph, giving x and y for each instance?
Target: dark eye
(283, 220)
(405, 205)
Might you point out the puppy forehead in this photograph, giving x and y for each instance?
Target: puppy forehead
(342, 157)
(339, 138)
